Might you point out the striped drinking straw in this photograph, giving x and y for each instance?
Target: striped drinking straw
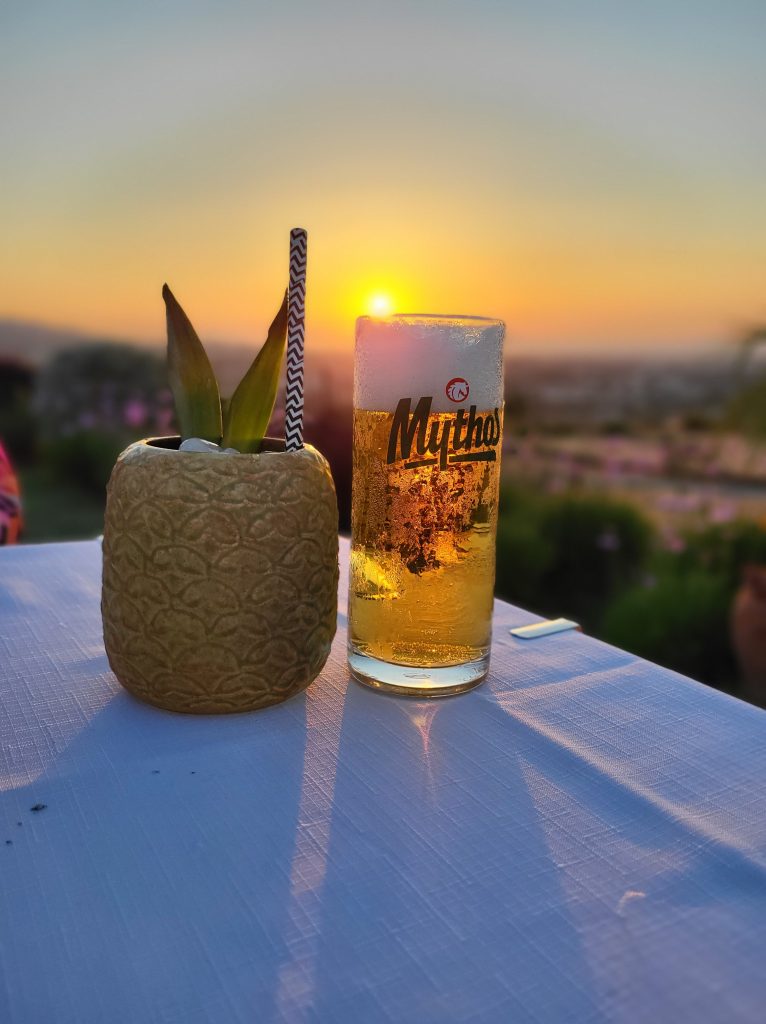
(296, 313)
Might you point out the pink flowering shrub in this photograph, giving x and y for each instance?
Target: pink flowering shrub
(92, 400)
(115, 389)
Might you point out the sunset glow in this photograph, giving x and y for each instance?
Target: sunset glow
(563, 209)
(381, 305)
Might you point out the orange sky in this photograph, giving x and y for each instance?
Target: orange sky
(598, 181)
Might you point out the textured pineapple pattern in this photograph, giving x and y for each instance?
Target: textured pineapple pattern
(220, 576)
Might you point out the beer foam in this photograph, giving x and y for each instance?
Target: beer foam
(414, 355)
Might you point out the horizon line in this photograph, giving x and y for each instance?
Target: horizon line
(527, 347)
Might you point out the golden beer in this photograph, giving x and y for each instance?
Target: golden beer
(424, 512)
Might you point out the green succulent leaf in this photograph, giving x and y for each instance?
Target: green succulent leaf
(192, 381)
(252, 404)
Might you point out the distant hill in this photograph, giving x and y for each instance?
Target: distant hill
(36, 342)
(576, 386)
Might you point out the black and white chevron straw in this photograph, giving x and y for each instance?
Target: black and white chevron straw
(296, 314)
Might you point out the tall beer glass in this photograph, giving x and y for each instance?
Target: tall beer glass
(428, 423)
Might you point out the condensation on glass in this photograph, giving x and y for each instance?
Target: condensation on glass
(428, 425)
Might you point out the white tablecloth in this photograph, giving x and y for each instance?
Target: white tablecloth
(583, 838)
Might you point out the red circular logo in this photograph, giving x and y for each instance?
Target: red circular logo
(457, 389)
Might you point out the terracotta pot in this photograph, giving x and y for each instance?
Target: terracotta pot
(220, 574)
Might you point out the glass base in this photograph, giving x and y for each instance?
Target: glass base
(416, 681)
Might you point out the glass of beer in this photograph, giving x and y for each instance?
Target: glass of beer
(428, 424)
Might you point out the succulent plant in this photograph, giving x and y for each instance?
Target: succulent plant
(241, 423)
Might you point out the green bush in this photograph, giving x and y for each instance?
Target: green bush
(682, 622)
(585, 556)
(523, 558)
(18, 426)
(94, 399)
(722, 550)
(568, 555)
(106, 386)
(18, 431)
(84, 458)
(601, 547)
(703, 579)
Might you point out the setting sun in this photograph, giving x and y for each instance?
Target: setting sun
(380, 305)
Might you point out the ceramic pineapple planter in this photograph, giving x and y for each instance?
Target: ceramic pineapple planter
(220, 575)
(220, 547)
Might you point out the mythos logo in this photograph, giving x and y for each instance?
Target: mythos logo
(445, 440)
(457, 389)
